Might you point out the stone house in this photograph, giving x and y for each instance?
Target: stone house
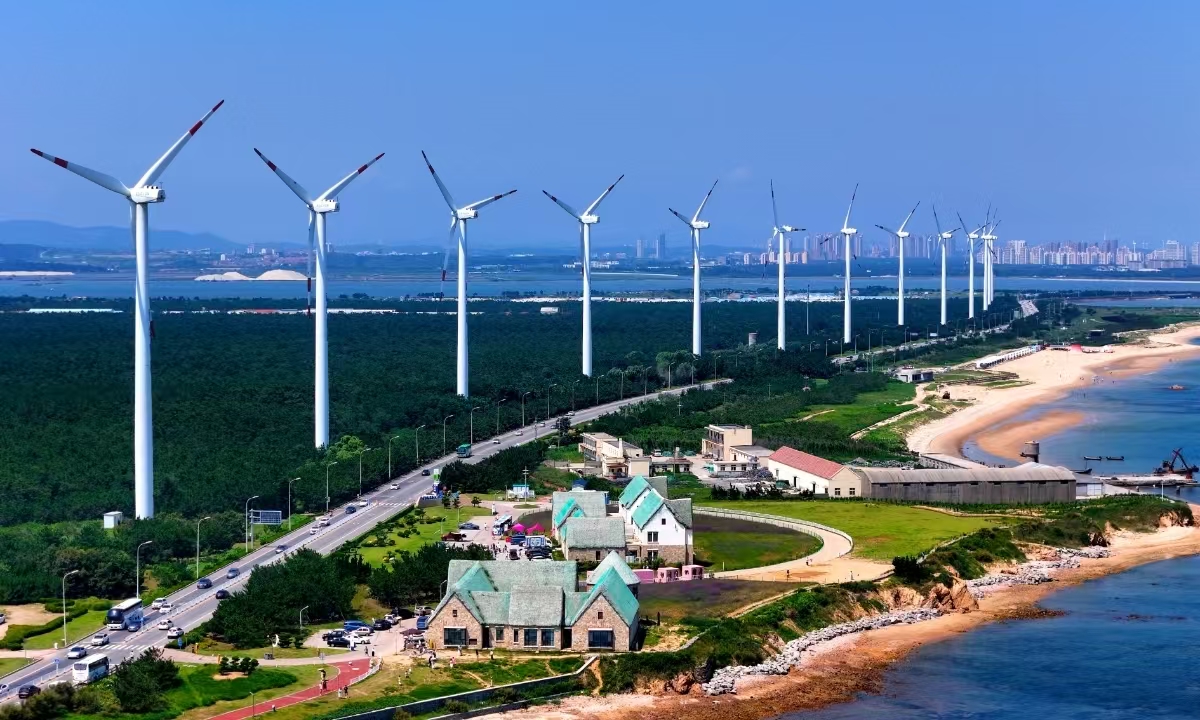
(592, 539)
(576, 504)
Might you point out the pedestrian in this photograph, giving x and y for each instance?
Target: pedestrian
(491, 654)
(272, 707)
(476, 653)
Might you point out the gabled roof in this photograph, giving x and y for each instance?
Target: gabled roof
(609, 586)
(682, 510)
(594, 533)
(660, 484)
(613, 561)
(633, 491)
(804, 462)
(504, 575)
(532, 606)
(565, 511)
(591, 503)
(647, 508)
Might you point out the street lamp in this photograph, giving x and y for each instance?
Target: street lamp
(362, 452)
(138, 569)
(417, 441)
(444, 421)
(327, 466)
(246, 513)
(669, 375)
(289, 511)
(198, 541)
(64, 600)
(472, 432)
(302, 616)
(548, 388)
(498, 414)
(523, 407)
(645, 380)
(395, 437)
(573, 386)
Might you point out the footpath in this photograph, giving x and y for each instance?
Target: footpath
(342, 675)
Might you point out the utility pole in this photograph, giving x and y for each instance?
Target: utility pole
(327, 466)
(444, 421)
(138, 570)
(548, 388)
(472, 432)
(289, 516)
(417, 439)
(248, 524)
(390, 455)
(498, 414)
(198, 542)
(523, 406)
(64, 603)
(360, 457)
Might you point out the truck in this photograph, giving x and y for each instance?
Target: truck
(126, 615)
(464, 450)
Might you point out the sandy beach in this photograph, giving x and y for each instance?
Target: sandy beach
(1050, 375)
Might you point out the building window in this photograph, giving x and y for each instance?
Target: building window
(547, 638)
(600, 639)
(597, 554)
(837, 492)
(664, 521)
(454, 637)
(454, 613)
(652, 537)
(651, 555)
(516, 635)
(499, 634)
(599, 614)
(531, 637)
(851, 492)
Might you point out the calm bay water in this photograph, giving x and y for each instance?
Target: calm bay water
(1124, 650)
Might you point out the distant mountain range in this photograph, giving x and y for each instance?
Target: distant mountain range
(64, 237)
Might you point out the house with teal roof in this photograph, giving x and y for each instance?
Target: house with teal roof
(657, 528)
(535, 606)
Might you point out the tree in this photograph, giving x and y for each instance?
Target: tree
(140, 683)
(475, 502)
(563, 425)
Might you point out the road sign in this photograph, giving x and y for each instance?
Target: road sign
(266, 517)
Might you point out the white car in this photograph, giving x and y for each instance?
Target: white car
(99, 639)
(394, 486)
(312, 531)
(520, 432)
(175, 632)
(156, 604)
(166, 607)
(164, 624)
(495, 441)
(362, 503)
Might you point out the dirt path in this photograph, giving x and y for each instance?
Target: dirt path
(33, 614)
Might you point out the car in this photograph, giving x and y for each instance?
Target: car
(425, 472)
(222, 594)
(3, 619)
(338, 642)
(468, 526)
(28, 691)
(279, 549)
(495, 441)
(312, 531)
(570, 413)
(333, 634)
(165, 624)
(381, 624)
(324, 520)
(364, 631)
(349, 625)
(99, 639)
(166, 607)
(394, 486)
(519, 432)
(233, 572)
(203, 583)
(350, 509)
(175, 632)
(542, 424)
(77, 652)
(423, 622)
(363, 503)
(422, 610)
(157, 603)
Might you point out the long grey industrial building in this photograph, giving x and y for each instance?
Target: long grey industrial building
(1024, 484)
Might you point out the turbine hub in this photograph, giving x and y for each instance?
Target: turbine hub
(589, 219)
(465, 214)
(699, 224)
(329, 205)
(147, 194)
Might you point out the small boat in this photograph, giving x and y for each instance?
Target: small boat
(1087, 471)
(1175, 387)
(1092, 457)
(1114, 458)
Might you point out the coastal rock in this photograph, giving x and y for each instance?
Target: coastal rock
(901, 598)
(1035, 572)
(961, 599)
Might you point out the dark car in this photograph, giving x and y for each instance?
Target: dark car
(381, 624)
(338, 642)
(28, 691)
(468, 526)
(333, 634)
(350, 509)
(425, 472)
(231, 573)
(222, 594)
(204, 583)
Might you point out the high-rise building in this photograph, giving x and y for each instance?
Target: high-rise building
(660, 248)
(641, 247)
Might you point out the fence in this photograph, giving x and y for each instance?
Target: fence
(804, 526)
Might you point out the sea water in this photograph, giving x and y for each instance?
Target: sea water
(1126, 647)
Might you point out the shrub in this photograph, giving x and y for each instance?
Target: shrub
(909, 570)
(456, 706)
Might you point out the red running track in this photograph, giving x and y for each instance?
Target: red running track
(343, 675)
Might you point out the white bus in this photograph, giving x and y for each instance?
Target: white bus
(126, 615)
(89, 669)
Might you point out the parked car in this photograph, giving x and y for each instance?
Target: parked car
(361, 636)
(422, 610)
(350, 509)
(423, 622)
(3, 619)
(381, 624)
(350, 625)
(232, 572)
(425, 472)
(175, 632)
(333, 634)
(204, 583)
(468, 526)
(279, 549)
(338, 642)
(222, 594)
(28, 691)
(99, 639)
(77, 652)
(165, 624)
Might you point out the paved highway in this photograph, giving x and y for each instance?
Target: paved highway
(193, 606)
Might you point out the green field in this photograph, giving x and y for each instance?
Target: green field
(566, 453)
(704, 599)
(881, 531)
(78, 629)
(10, 665)
(374, 548)
(868, 408)
(730, 544)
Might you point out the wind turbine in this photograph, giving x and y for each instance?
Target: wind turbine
(318, 208)
(900, 236)
(696, 225)
(586, 219)
(458, 220)
(989, 259)
(943, 241)
(140, 196)
(848, 232)
(972, 236)
(781, 233)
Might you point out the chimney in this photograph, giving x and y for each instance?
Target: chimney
(621, 446)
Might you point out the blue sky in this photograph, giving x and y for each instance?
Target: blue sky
(1074, 118)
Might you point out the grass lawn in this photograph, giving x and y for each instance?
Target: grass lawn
(214, 649)
(704, 599)
(867, 409)
(881, 531)
(730, 544)
(546, 478)
(567, 453)
(11, 665)
(203, 696)
(77, 629)
(421, 533)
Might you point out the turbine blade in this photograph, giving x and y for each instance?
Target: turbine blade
(440, 184)
(910, 214)
(287, 180)
(591, 208)
(157, 168)
(993, 229)
(886, 230)
(562, 205)
(108, 182)
(488, 201)
(964, 225)
(774, 209)
(446, 258)
(341, 185)
(312, 218)
(846, 222)
(936, 223)
(704, 202)
(685, 220)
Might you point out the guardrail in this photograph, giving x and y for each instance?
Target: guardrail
(805, 526)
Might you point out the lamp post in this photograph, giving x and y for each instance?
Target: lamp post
(417, 442)
(327, 466)
(548, 387)
(138, 568)
(669, 383)
(645, 380)
(498, 414)
(362, 452)
(395, 437)
(64, 600)
(472, 431)
(826, 347)
(574, 385)
(289, 509)
(198, 543)
(246, 514)
(523, 406)
(444, 421)
(302, 616)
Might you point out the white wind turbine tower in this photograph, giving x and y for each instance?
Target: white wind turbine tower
(696, 225)
(318, 208)
(900, 236)
(140, 196)
(972, 236)
(848, 233)
(458, 221)
(943, 241)
(586, 219)
(780, 232)
(989, 259)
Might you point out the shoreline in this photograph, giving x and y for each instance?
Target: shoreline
(837, 671)
(994, 422)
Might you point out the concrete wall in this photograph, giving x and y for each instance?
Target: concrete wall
(590, 620)
(982, 492)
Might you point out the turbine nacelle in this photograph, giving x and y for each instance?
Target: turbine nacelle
(328, 205)
(699, 224)
(589, 219)
(465, 214)
(788, 229)
(849, 231)
(147, 194)
(903, 234)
